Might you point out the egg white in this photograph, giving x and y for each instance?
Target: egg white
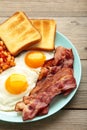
(8, 100)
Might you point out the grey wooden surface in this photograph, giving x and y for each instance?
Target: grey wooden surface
(71, 18)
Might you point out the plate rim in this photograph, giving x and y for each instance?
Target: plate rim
(72, 94)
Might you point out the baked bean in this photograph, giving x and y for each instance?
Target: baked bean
(6, 59)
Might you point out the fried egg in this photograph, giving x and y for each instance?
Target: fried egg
(18, 81)
(14, 85)
(35, 59)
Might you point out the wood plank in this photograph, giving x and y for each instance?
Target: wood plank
(75, 28)
(84, 71)
(45, 8)
(64, 120)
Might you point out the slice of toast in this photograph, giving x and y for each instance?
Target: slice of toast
(47, 29)
(18, 33)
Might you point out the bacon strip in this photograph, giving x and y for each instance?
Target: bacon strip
(56, 78)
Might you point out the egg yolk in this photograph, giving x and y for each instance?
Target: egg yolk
(35, 59)
(16, 84)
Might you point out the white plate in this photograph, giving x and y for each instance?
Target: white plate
(60, 101)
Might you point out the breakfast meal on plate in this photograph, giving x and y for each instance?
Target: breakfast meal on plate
(56, 77)
(34, 71)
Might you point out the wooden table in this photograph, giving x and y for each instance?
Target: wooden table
(71, 18)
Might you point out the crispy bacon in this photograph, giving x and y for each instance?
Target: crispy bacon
(56, 78)
(64, 57)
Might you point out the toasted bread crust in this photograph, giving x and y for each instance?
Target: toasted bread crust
(18, 33)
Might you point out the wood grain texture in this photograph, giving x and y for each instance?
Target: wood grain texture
(62, 120)
(45, 8)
